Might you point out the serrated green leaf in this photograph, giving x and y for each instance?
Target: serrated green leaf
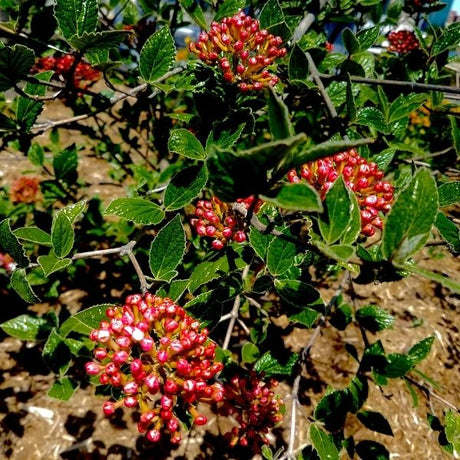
(27, 109)
(96, 42)
(278, 117)
(260, 241)
(174, 290)
(167, 250)
(297, 197)
(367, 37)
(223, 136)
(157, 55)
(452, 430)
(63, 389)
(195, 11)
(85, 321)
(51, 263)
(332, 409)
(420, 350)
(62, 235)
(65, 162)
(396, 365)
(185, 143)
(366, 61)
(449, 232)
(272, 18)
(405, 104)
(375, 421)
(206, 308)
(73, 211)
(298, 64)
(229, 8)
(270, 366)
(354, 227)
(449, 194)
(249, 353)
(184, 187)
(408, 224)
(21, 285)
(280, 255)
(15, 63)
(350, 41)
(359, 391)
(297, 293)
(450, 37)
(76, 17)
(33, 234)
(373, 118)
(374, 318)
(56, 353)
(137, 210)
(455, 132)
(10, 244)
(371, 449)
(36, 154)
(323, 443)
(335, 219)
(27, 327)
(307, 316)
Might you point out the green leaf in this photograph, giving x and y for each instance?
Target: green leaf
(185, 143)
(455, 132)
(95, 42)
(63, 389)
(373, 118)
(27, 327)
(335, 219)
(20, 284)
(350, 102)
(157, 55)
(270, 366)
(278, 117)
(372, 449)
(375, 421)
(85, 321)
(184, 187)
(249, 353)
(206, 308)
(167, 250)
(260, 241)
(195, 11)
(174, 290)
(229, 8)
(350, 41)
(297, 293)
(341, 317)
(65, 162)
(27, 109)
(359, 391)
(51, 263)
(15, 63)
(298, 64)
(452, 430)
(449, 38)
(323, 443)
(449, 232)
(33, 234)
(374, 318)
(449, 194)
(137, 210)
(296, 197)
(354, 227)
(396, 365)
(56, 353)
(367, 37)
(272, 18)
(76, 17)
(73, 211)
(280, 255)
(405, 104)
(332, 409)
(36, 154)
(224, 135)
(10, 244)
(421, 350)
(408, 224)
(62, 235)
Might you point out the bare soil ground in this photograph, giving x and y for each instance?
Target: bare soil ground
(34, 426)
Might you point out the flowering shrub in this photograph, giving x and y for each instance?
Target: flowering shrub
(265, 123)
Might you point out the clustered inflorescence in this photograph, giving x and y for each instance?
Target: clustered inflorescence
(241, 50)
(83, 75)
(155, 354)
(362, 177)
(216, 219)
(402, 41)
(255, 407)
(25, 189)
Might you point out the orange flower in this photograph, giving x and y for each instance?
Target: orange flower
(24, 189)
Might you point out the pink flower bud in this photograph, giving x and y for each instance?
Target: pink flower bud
(108, 408)
(92, 368)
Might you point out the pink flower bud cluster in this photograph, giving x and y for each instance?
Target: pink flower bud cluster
(362, 177)
(25, 189)
(241, 51)
(215, 219)
(255, 407)
(402, 41)
(157, 356)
